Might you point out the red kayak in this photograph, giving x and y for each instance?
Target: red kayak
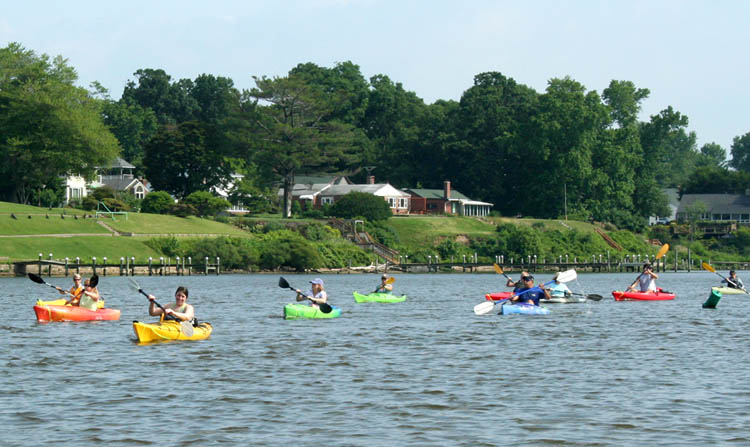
(74, 313)
(659, 295)
(497, 296)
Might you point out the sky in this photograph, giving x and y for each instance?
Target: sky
(690, 54)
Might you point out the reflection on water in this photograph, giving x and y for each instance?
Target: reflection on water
(423, 372)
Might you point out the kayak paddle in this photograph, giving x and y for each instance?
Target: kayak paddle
(324, 307)
(185, 326)
(500, 271)
(487, 306)
(592, 296)
(708, 267)
(662, 251)
(37, 279)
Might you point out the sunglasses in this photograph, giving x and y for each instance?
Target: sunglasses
(527, 278)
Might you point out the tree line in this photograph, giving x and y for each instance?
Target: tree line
(565, 151)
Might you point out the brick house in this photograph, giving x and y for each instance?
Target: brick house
(445, 201)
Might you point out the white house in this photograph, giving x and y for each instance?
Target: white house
(118, 176)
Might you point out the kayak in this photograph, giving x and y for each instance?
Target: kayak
(62, 301)
(563, 300)
(524, 309)
(74, 313)
(728, 291)
(378, 298)
(169, 330)
(294, 311)
(497, 296)
(643, 296)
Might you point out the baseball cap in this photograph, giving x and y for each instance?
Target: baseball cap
(317, 281)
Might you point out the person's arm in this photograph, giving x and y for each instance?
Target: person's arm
(510, 283)
(94, 294)
(182, 316)
(152, 309)
(322, 299)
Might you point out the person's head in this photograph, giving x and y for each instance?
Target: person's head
(181, 295)
(646, 267)
(527, 280)
(317, 284)
(384, 277)
(77, 279)
(87, 284)
(555, 277)
(732, 273)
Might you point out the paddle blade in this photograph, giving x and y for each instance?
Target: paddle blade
(325, 308)
(390, 280)
(93, 281)
(705, 265)
(567, 275)
(662, 251)
(283, 283)
(483, 308)
(594, 297)
(36, 279)
(498, 269)
(187, 328)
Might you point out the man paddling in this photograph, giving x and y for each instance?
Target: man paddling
(646, 280)
(733, 281)
(529, 293)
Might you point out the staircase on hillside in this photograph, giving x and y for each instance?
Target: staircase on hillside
(608, 239)
(363, 239)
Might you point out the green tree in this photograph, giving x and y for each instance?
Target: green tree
(712, 155)
(355, 204)
(49, 128)
(170, 102)
(206, 203)
(740, 150)
(157, 202)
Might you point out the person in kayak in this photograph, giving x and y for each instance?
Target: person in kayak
(646, 280)
(75, 291)
(733, 281)
(384, 287)
(180, 309)
(559, 289)
(317, 295)
(529, 293)
(517, 284)
(89, 297)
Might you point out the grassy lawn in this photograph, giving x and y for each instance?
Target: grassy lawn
(422, 231)
(85, 247)
(548, 223)
(142, 223)
(39, 224)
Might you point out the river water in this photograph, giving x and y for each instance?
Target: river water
(425, 372)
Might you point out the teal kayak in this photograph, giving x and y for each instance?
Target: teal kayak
(378, 298)
(294, 311)
(524, 309)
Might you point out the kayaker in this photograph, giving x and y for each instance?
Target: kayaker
(384, 287)
(89, 296)
(645, 280)
(316, 296)
(559, 289)
(75, 291)
(180, 309)
(733, 281)
(533, 295)
(517, 284)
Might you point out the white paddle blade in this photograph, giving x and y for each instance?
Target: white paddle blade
(483, 308)
(567, 275)
(187, 328)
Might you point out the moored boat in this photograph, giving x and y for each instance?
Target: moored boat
(169, 330)
(47, 313)
(294, 311)
(378, 298)
(659, 295)
(497, 296)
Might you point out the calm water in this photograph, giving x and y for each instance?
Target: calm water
(425, 372)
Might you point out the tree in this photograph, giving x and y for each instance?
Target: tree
(740, 150)
(49, 128)
(178, 161)
(157, 202)
(712, 155)
(624, 101)
(170, 102)
(361, 204)
(294, 136)
(206, 203)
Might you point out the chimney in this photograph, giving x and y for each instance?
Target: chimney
(447, 190)
(370, 179)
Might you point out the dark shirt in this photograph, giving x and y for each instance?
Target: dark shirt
(532, 296)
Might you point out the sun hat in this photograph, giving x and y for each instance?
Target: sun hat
(317, 281)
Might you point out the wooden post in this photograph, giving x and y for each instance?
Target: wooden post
(218, 264)
(93, 265)
(150, 260)
(66, 266)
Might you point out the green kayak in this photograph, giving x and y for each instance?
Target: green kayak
(293, 311)
(378, 298)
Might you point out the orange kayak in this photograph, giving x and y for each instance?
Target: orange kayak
(74, 313)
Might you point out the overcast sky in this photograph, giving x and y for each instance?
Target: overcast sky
(691, 54)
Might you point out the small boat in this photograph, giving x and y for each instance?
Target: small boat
(729, 291)
(62, 301)
(294, 311)
(378, 298)
(497, 296)
(659, 295)
(564, 300)
(169, 330)
(523, 309)
(45, 313)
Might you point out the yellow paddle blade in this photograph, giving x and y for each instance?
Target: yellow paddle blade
(708, 267)
(662, 251)
(498, 269)
(390, 280)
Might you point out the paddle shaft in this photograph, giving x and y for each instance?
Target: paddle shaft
(166, 315)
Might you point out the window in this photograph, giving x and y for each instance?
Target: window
(138, 192)
(392, 202)
(403, 203)
(326, 200)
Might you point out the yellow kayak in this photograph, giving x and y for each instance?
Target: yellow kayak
(169, 330)
(61, 302)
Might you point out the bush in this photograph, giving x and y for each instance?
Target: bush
(157, 202)
(183, 210)
(89, 203)
(103, 192)
(206, 204)
(355, 203)
(115, 204)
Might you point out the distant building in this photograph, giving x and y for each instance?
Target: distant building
(237, 207)
(719, 207)
(118, 176)
(673, 202)
(445, 201)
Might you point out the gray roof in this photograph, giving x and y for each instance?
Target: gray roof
(717, 203)
(435, 193)
(340, 190)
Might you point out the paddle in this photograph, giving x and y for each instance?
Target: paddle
(500, 271)
(324, 307)
(662, 251)
(708, 267)
(93, 281)
(487, 306)
(185, 326)
(593, 296)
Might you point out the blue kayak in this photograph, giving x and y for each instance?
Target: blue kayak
(524, 309)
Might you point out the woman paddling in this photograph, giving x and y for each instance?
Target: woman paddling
(384, 286)
(180, 309)
(75, 292)
(645, 280)
(89, 297)
(317, 295)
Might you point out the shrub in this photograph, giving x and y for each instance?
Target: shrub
(157, 202)
(115, 204)
(183, 210)
(103, 192)
(206, 204)
(355, 203)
